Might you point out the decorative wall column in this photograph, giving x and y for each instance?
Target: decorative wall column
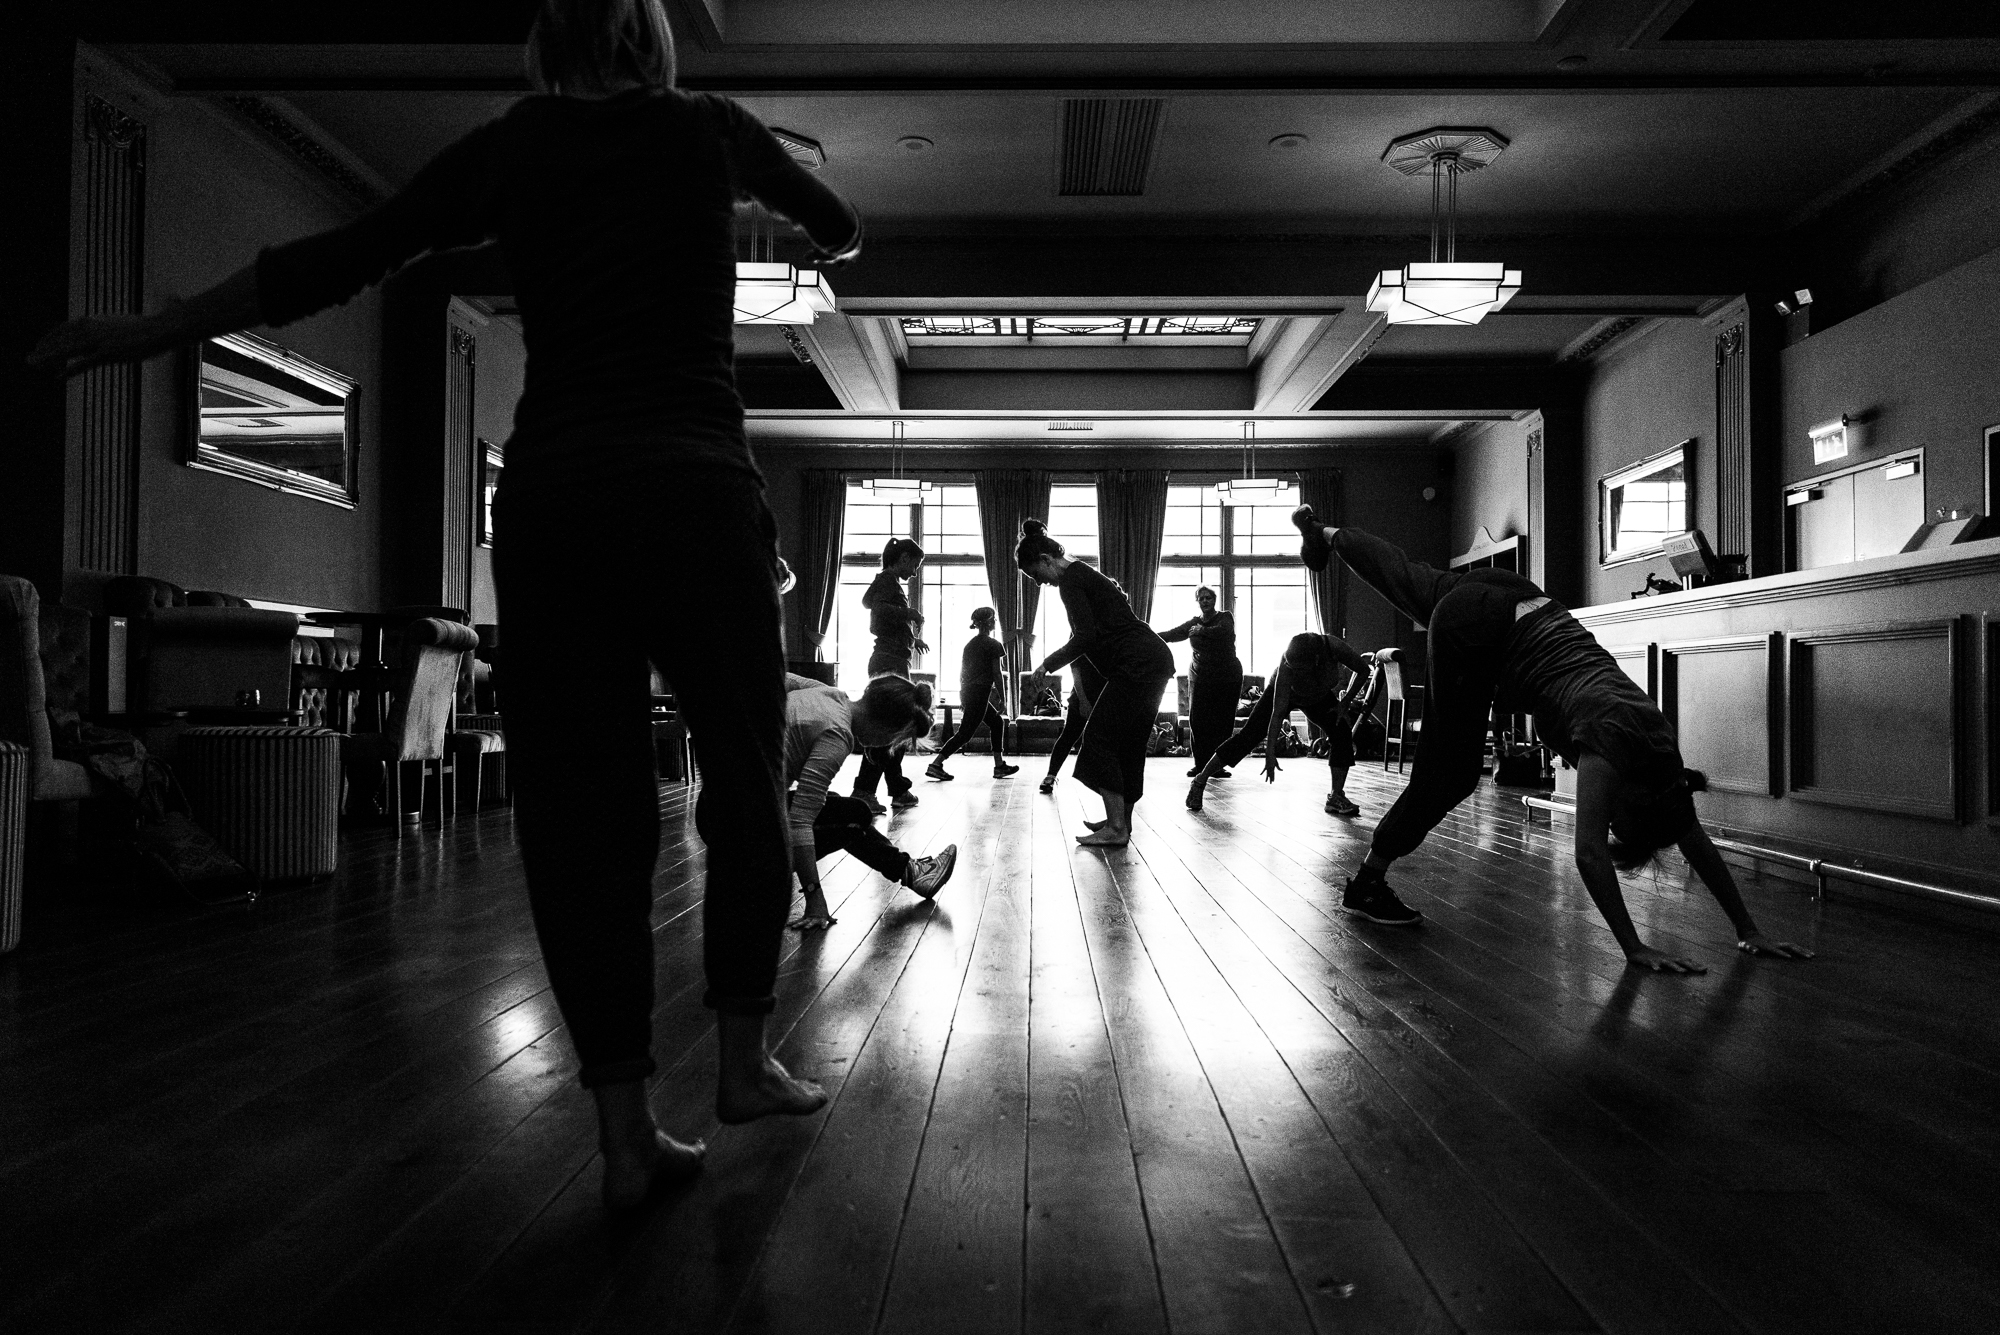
(455, 526)
(1748, 512)
(1537, 568)
(105, 406)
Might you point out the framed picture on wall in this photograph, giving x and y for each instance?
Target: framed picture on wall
(1643, 504)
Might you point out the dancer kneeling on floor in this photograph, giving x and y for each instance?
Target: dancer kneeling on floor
(1136, 666)
(1494, 635)
(822, 728)
(1308, 679)
(1076, 716)
(980, 671)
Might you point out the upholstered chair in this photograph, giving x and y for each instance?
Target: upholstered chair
(425, 685)
(24, 691)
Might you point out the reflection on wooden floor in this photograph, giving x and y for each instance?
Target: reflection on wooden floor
(1166, 1088)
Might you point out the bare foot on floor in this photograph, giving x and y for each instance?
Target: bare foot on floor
(771, 1092)
(632, 1175)
(1095, 824)
(1104, 838)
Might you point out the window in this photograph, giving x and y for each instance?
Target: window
(1249, 556)
(1073, 523)
(952, 581)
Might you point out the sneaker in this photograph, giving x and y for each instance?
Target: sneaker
(1378, 903)
(875, 808)
(1340, 806)
(1195, 791)
(1314, 549)
(1220, 774)
(936, 770)
(1049, 784)
(1194, 773)
(1003, 770)
(903, 801)
(927, 876)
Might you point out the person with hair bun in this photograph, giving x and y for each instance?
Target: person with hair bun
(1136, 666)
(1494, 636)
(611, 195)
(822, 728)
(893, 623)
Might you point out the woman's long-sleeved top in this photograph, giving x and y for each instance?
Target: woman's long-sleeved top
(889, 616)
(616, 221)
(819, 736)
(1213, 639)
(1104, 629)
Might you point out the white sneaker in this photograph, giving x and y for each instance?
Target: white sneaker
(927, 876)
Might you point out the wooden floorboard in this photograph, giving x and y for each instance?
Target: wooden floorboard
(1167, 1087)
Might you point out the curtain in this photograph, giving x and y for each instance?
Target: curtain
(1131, 525)
(1006, 497)
(818, 566)
(1321, 489)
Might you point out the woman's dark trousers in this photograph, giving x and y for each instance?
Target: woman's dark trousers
(879, 765)
(846, 824)
(979, 708)
(1212, 695)
(1112, 759)
(591, 586)
(1471, 616)
(1325, 712)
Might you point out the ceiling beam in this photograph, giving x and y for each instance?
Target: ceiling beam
(1307, 355)
(857, 359)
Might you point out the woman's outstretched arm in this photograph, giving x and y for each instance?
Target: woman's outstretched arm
(95, 340)
(1714, 872)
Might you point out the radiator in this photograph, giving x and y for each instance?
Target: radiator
(270, 796)
(15, 776)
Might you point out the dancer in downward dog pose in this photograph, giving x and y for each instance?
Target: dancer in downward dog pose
(1308, 679)
(1495, 635)
(1215, 677)
(610, 193)
(822, 728)
(1136, 666)
(893, 623)
(981, 670)
(1076, 715)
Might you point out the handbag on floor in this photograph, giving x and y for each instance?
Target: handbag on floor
(171, 846)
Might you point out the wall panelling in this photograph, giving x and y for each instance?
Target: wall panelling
(1722, 696)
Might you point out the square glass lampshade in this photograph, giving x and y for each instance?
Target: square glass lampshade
(779, 294)
(1425, 293)
(1258, 491)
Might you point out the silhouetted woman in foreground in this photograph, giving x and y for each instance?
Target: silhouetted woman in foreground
(1136, 666)
(611, 195)
(1494, 635)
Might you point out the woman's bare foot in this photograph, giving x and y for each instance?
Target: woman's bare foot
(1095, 824)
(633, 1172)
(768, 1091)
(1105, 838)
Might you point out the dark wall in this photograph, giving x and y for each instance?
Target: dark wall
(1491, 483)
(1383, 493)
(215, 196)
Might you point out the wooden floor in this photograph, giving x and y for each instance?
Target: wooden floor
(1165, 1088)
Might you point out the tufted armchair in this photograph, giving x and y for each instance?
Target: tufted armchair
(426, 686)
(201, 650)
(40, 686)
(326, 687)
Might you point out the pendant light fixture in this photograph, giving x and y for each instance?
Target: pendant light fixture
(1444, 290)
(1251, 489)
(769, 291)
(896, 487)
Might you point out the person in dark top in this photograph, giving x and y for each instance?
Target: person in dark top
(1309, 679)
(1495, 636)
(1136, 666)
(611, 195)
(893, 623)
(982, 668)
(1084, 689)
(1215, 676)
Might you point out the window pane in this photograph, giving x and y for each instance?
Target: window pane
(1194, 522)
(850, 634)
(950, 594)
(1265, 530)
(1073, 519)
(951, 522)
(1272, 605)
(1173, 603)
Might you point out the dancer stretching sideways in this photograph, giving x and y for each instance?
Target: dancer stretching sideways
(611, 195)
(1495, 635)
(1136, 666)
(822, 728)
(1309, 679)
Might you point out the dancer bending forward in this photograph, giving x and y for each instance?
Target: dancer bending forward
(1136, 666)
(1495, 635)
(1308, 679)
(822, 728)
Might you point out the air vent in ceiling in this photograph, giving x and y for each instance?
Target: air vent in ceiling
(1107, 144)
(1072, 426)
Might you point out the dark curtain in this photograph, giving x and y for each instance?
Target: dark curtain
(1321, 489)
(818, 565)
(1131, 525)
(1006, 497)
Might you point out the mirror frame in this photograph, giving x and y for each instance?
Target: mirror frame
(1635, 472)
(210, 459)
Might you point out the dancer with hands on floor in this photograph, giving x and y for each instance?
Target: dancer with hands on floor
(1495, 636)
(1308, 679)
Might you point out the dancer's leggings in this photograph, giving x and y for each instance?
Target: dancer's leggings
(1076, 716)
(1325, 711)
(591, 586)
(979, 708)
(879, 765)
(1213, 690)
(1470, 615)
(846, 824)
